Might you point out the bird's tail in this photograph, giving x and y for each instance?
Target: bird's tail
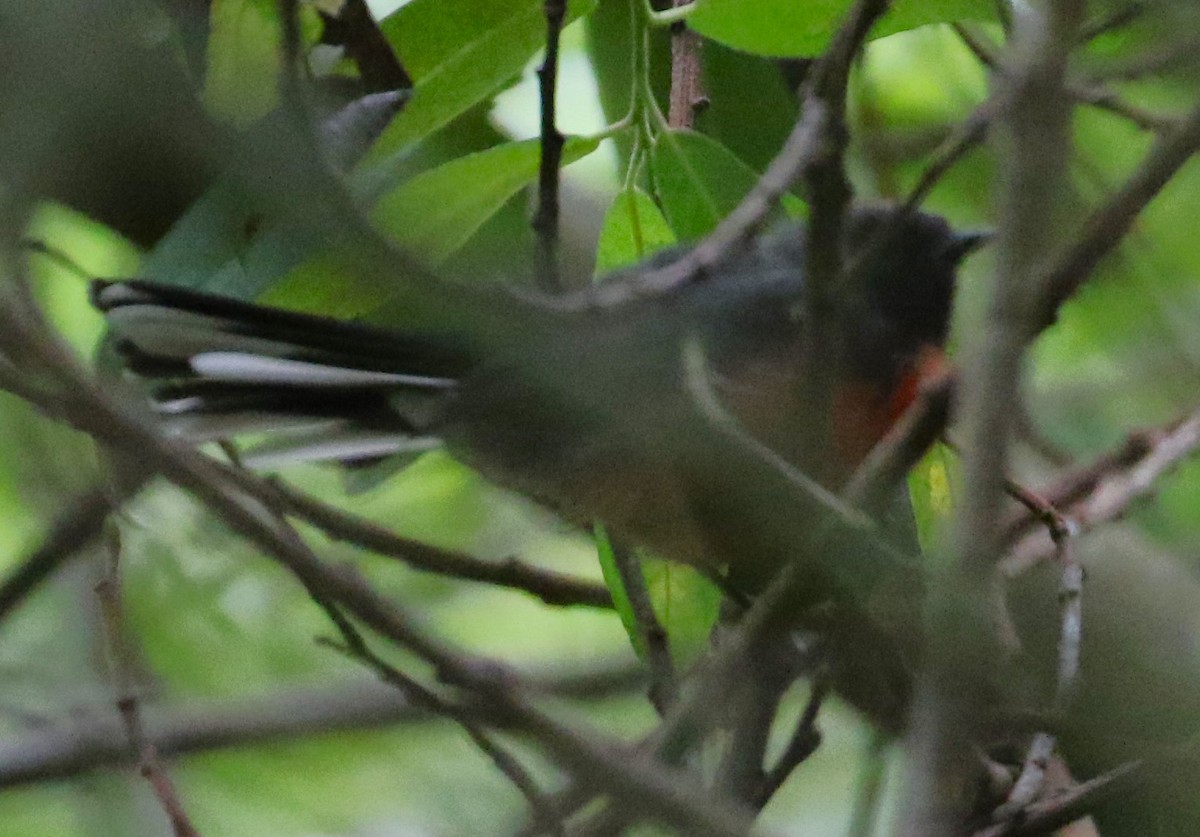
(321, 389)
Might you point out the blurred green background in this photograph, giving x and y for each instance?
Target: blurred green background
(212, 621)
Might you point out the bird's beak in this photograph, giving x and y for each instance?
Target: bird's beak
(965, 243)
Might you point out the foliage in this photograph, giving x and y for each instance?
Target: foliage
(151, 140)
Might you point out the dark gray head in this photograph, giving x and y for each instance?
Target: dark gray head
(910, 268)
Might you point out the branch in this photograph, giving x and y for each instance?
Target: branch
(687, 87)
(1046, 815)
(804, 742)
(92, 741)
(1113, 491)
(354, 29)
(356, 647)
(150, 764)
(828, 193)
(551, 587)
(905, 443)
(1086, 91)
(1109, 224)
(971, 133)
(1033, 134)
(1032, 778)
(545, 220)
(502, 699)
(735, 229)
(650, 632)
(77, 527)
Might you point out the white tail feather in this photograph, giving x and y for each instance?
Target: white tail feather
(252, 368)
(345, 446)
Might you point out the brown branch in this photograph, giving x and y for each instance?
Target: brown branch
(355, 646)
(545, 220)
(687, 96)
(1074, 485)
(551, 587)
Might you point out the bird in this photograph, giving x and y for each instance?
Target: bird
(588, 411)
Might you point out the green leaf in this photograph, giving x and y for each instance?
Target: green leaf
(633, 229)
(616, 587)
(929, 487)
(699, 182)
(434, 213)
(785, 28)
(244, 49)
(459, 53)
(687, 605)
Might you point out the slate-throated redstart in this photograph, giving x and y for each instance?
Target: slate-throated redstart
(591, 416)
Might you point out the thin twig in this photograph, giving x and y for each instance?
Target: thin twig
(1046, 815)
(651, 634)
(1032, 778)
(1116, 19)
(1108, 225)
(91, 741)
(904, 444)
(150, 765)
(545, 220)
(1075, 485)
(704, 396)
(751, 709)
(971, 133)
(1087, 91)
(551, 587)
(356, 647)
(76, 528)
(1114, 492)
(738, 227)
(804, 742)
